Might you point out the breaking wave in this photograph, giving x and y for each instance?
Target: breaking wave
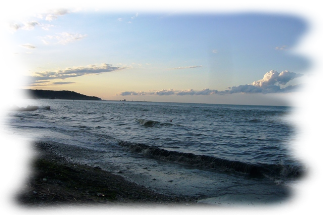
(273, 171)
(152, 123)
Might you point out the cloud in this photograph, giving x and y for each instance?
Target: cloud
(128, 93)
(172, 92)
(127, 19)
(63, 38)
(272, 77)
(62, 82)
(40, 77)
(52, 14)
(135, 16)
(311, 75)
(248, 3)
(272, 82)
(28, 46)
(31, 13)
(8, 23)
(26, 22)
(187, 67)
(284, 47)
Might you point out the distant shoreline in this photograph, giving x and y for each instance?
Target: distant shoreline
(63, 94)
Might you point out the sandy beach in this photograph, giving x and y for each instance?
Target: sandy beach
(56, 181)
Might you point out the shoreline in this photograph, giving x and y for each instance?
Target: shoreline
(56, 181)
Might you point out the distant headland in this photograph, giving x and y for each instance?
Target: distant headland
(64, 94)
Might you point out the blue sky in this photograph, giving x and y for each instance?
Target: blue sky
(235, 58)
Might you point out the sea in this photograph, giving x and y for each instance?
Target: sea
(218, 154)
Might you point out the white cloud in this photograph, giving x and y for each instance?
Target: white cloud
(40, 77)
(8, 23)
(272, 77)
(52, 14)
(271, 83)
(135, 16)
(248, 3)
(172, 92)
(30, 13)
(28, 46)
(63, 38)
(187, 67)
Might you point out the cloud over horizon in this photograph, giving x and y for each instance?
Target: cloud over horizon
(44, 77)
(272, 82)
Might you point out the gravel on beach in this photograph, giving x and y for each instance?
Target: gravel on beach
(56, 181)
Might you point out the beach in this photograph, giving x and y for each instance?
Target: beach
(56, 181)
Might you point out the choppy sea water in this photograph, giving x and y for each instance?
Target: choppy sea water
(221, 154)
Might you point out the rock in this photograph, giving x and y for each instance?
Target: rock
(306, 206)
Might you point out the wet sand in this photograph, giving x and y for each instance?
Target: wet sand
(56, 181)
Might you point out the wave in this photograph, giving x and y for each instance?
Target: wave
(213, 163)
(152, 123)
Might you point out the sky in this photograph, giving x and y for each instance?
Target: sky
(226, 58)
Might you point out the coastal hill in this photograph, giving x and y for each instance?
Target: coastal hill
(64, 94)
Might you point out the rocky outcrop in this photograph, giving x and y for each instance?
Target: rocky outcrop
(14, 107)
(64, 94)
